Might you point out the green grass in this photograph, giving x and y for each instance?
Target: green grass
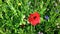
(14, 16)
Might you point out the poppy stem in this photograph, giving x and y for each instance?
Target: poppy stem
(31, 29)
(34, 28)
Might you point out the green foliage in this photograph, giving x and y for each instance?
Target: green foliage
(14, 16)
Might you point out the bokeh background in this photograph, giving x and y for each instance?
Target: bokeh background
(14, 16)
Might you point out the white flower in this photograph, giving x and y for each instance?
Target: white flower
(23, 16)
(59, 0)
(58, 26)
(57, 23)
(40, 32)
(55, 4)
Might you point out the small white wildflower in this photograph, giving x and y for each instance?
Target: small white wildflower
(27, 21)
(23, 16)
(40, 32)
(47, 9)
(59, 0)
(57, 23)
(55, 4)
(58, 26)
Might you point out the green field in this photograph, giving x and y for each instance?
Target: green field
(14, 16)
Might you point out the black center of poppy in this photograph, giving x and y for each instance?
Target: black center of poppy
(34, 17)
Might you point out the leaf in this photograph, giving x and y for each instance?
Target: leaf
(42, 10)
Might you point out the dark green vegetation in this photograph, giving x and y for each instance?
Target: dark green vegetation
(14, 16)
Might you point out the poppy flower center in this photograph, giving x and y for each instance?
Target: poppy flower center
(34, 17)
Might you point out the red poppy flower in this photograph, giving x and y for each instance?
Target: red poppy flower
(34, 18)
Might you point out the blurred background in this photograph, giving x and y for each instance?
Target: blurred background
(14, 16)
